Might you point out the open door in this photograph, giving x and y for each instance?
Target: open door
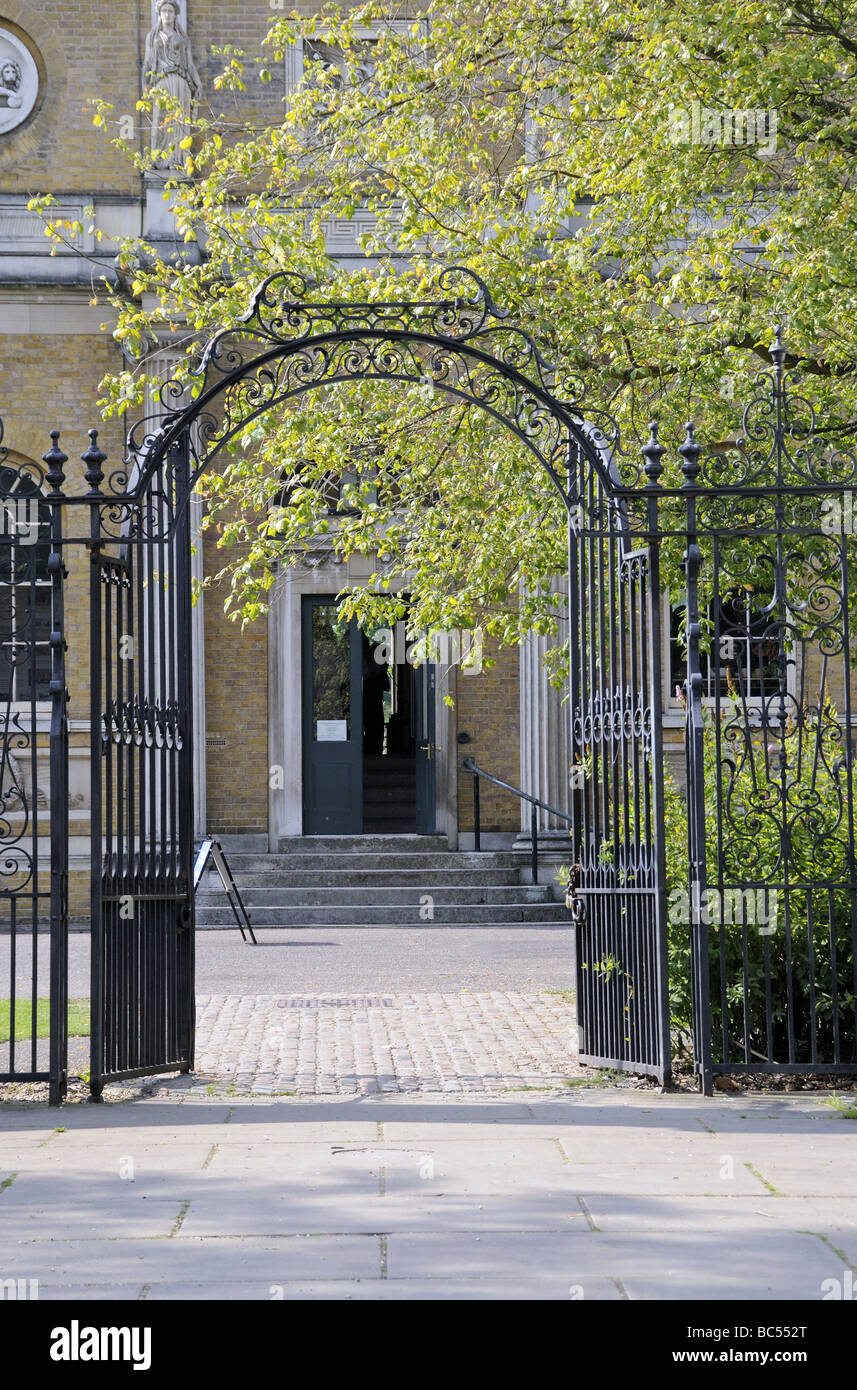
(332, 674)
(369, 753)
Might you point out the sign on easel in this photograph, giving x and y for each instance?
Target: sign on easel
(212, 849)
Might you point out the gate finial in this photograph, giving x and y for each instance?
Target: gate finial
(777, 349)
(690, 451)
(55, 460)
(653, 452)
(93, 458)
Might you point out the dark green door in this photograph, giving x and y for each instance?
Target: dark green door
(332, 674)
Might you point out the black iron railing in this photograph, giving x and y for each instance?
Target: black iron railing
(470, 765)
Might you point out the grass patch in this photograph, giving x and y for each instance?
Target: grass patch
(78, 1019)
(843, 1105)
(599, 1077)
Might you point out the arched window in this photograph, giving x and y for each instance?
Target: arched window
(25, 588)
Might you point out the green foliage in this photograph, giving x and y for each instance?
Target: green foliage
(542, 146)
(779, 899)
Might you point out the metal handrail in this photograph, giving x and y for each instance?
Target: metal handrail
(470, 765)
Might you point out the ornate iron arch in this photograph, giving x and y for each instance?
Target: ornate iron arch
(288, 344)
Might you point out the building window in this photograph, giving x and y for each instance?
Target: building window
(316, 51)
(305, 52)
(25, 590)
(740, 656)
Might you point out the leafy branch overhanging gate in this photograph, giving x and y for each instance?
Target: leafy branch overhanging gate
(757, 921)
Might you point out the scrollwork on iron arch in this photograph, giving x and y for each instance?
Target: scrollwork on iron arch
(139, 518)
(288, 343)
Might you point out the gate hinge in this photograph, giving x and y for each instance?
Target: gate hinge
(572, 902)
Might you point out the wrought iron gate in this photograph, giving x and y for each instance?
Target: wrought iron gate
(141, 774)
(766, 529)
(619, 889)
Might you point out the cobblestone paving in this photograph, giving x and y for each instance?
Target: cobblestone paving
(325, 1044)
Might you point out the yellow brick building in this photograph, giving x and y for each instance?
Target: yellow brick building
(54, 349)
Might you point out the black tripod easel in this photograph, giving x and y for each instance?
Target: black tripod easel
(212, 849)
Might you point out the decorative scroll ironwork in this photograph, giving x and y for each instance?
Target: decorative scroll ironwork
(288, 344)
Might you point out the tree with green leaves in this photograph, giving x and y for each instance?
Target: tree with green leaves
(648, 188)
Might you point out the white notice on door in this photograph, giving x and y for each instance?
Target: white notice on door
(331, 731)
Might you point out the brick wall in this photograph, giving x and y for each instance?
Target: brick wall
(236, 712)
(488, 709)
(88, 48)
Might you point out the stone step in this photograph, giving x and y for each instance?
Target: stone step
(445, 914)
(241, 844)
(380, 880)
(348, 877)
(363, 844)
(343, 895)
(386, 862)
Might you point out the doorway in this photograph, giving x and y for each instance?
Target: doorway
(368, 729)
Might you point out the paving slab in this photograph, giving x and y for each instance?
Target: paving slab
(834, 1177)
(397, 1290)
(136, 1215)
(782, 1265)
(670, 1177)
(350, 1213)
(91, 1293)
(220, 1260)
(115, 1117)
(648, 1215)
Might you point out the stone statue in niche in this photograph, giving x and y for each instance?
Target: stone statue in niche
(19, 80)
(169, 66)
(10, 84)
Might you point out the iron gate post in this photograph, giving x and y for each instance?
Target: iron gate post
(574, 524)
(58, 757)
(653, 453)
(180, 454)
(94, 458)
(574, 494)
(695, 762)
